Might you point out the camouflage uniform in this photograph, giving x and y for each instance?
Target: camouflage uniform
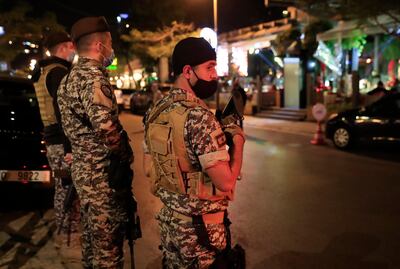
(66, 222)
(90, 120)
(47, 76)
(178, 237)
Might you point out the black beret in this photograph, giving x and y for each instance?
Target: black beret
(87, 26)
(191, 51)
(56, 38)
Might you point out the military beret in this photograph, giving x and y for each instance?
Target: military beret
(56, 38)
(191, 51)
(87, 26)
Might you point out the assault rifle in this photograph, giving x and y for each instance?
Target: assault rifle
(70, 196)
(233, 111)
(120, 178)
(134, 231)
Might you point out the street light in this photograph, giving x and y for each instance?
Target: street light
(215, 5)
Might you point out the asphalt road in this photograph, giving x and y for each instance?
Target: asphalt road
(297, 206)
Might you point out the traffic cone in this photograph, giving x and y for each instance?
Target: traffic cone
(318, 136)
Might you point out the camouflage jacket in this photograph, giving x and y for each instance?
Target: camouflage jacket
(89, 112)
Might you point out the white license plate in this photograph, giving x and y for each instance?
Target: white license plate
(25, 176)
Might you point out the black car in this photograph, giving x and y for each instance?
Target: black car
(22, 150)
(378, 121)
(140, 101)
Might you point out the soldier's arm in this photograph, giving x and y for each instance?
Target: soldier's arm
(98, 100)
(209, 144)
(53, 81)
(224, 174)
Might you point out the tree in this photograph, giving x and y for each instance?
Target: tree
(310, 34)
(151, 14)
(151, 46)
(20, 26)
(383, 14)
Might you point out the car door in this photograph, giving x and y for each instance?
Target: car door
(376, 121)
(395, 120)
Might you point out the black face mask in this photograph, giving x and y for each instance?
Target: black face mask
(203, 88)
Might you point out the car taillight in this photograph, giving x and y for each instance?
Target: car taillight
(45, 166)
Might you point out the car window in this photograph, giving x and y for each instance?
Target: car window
(19, 108)
(383, 109)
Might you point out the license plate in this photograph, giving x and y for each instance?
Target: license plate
(25, 176)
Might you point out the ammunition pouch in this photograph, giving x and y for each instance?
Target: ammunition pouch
(229, 258)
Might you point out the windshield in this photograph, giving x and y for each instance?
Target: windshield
(19, 107)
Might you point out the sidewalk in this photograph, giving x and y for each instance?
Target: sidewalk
(146, 251)
(305, 128)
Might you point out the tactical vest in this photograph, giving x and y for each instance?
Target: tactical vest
(44, 98)
(171, 168)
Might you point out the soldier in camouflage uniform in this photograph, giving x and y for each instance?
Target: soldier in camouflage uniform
(192, 171)
(90, 119)
(46, 78)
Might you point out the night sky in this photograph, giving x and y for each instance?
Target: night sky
(232, 14)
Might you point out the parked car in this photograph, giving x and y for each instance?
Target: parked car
(119, 98)
(126, 98)
(140, 101)
(378, 121)
(23, 153)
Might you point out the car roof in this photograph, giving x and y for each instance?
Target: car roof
(4, 78)
(388, 96)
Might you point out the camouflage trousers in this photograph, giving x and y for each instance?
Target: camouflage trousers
(65, 222)
(103, 216)
(179, 242)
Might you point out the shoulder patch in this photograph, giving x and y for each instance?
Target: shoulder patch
(107, 91)
(102, 94)
(218, 137)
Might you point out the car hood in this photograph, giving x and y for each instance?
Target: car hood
(350, 113)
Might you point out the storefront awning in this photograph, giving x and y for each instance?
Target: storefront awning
(345, 29)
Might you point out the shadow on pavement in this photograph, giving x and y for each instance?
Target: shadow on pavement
(21, 197)
(346, 251)
(378, 150)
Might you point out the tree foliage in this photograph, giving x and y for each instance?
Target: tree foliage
(21, 25)
(286, 39)
(370, 12)
(310, 34)
(151, 14)
(149, 46)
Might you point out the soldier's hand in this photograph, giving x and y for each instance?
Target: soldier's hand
(235, 133)
(68, 158)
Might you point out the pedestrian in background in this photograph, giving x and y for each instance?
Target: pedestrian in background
(156, 94)
(193, 173)
(396, 86)
(89, 115)
(47, 77)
